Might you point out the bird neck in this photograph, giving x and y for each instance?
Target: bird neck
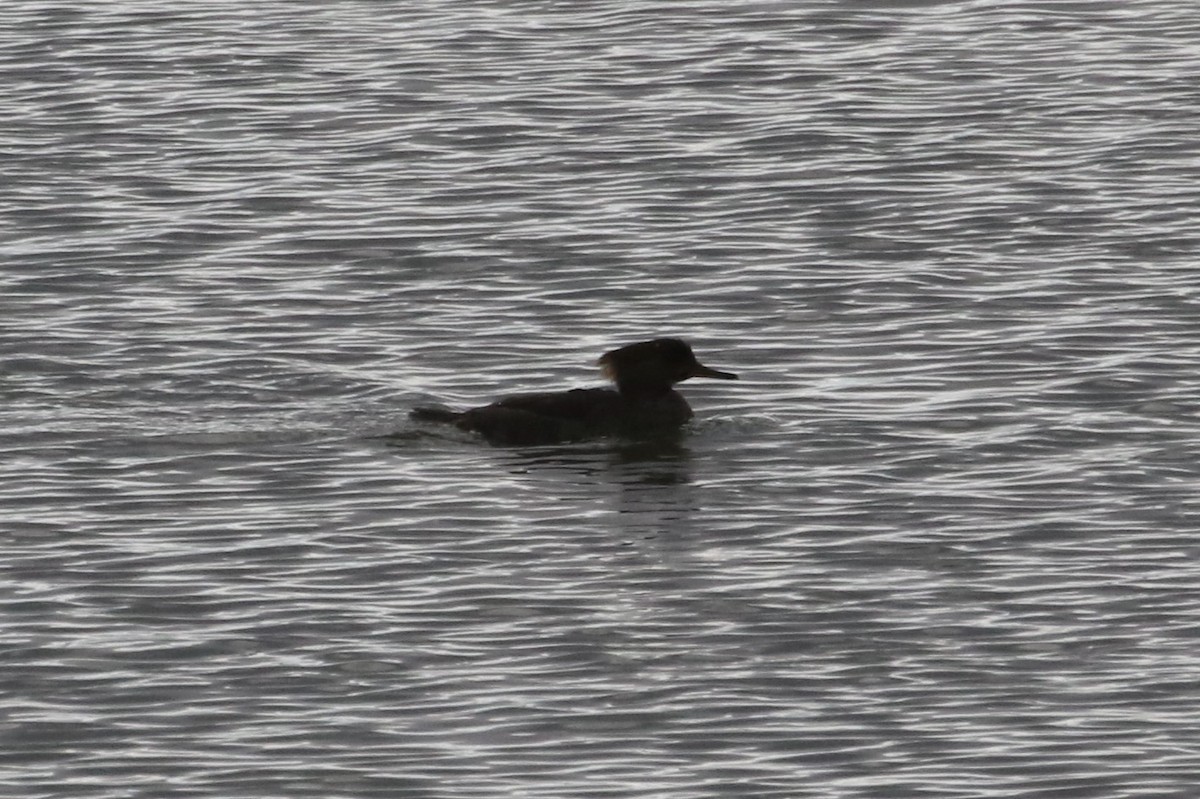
(643, 391)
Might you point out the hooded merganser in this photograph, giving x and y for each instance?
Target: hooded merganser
(644, 401)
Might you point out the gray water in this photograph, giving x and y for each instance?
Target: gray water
(940, 540)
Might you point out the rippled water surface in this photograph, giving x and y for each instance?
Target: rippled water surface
(940, 540)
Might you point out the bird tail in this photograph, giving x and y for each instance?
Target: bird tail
(440, 415)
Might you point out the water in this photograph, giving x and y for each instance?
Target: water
(939, 540)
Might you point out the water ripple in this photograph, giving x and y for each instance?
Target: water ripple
(937, 541)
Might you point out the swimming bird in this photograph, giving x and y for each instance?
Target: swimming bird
(643, 403)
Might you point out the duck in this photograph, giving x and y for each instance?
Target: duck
(643, 403)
